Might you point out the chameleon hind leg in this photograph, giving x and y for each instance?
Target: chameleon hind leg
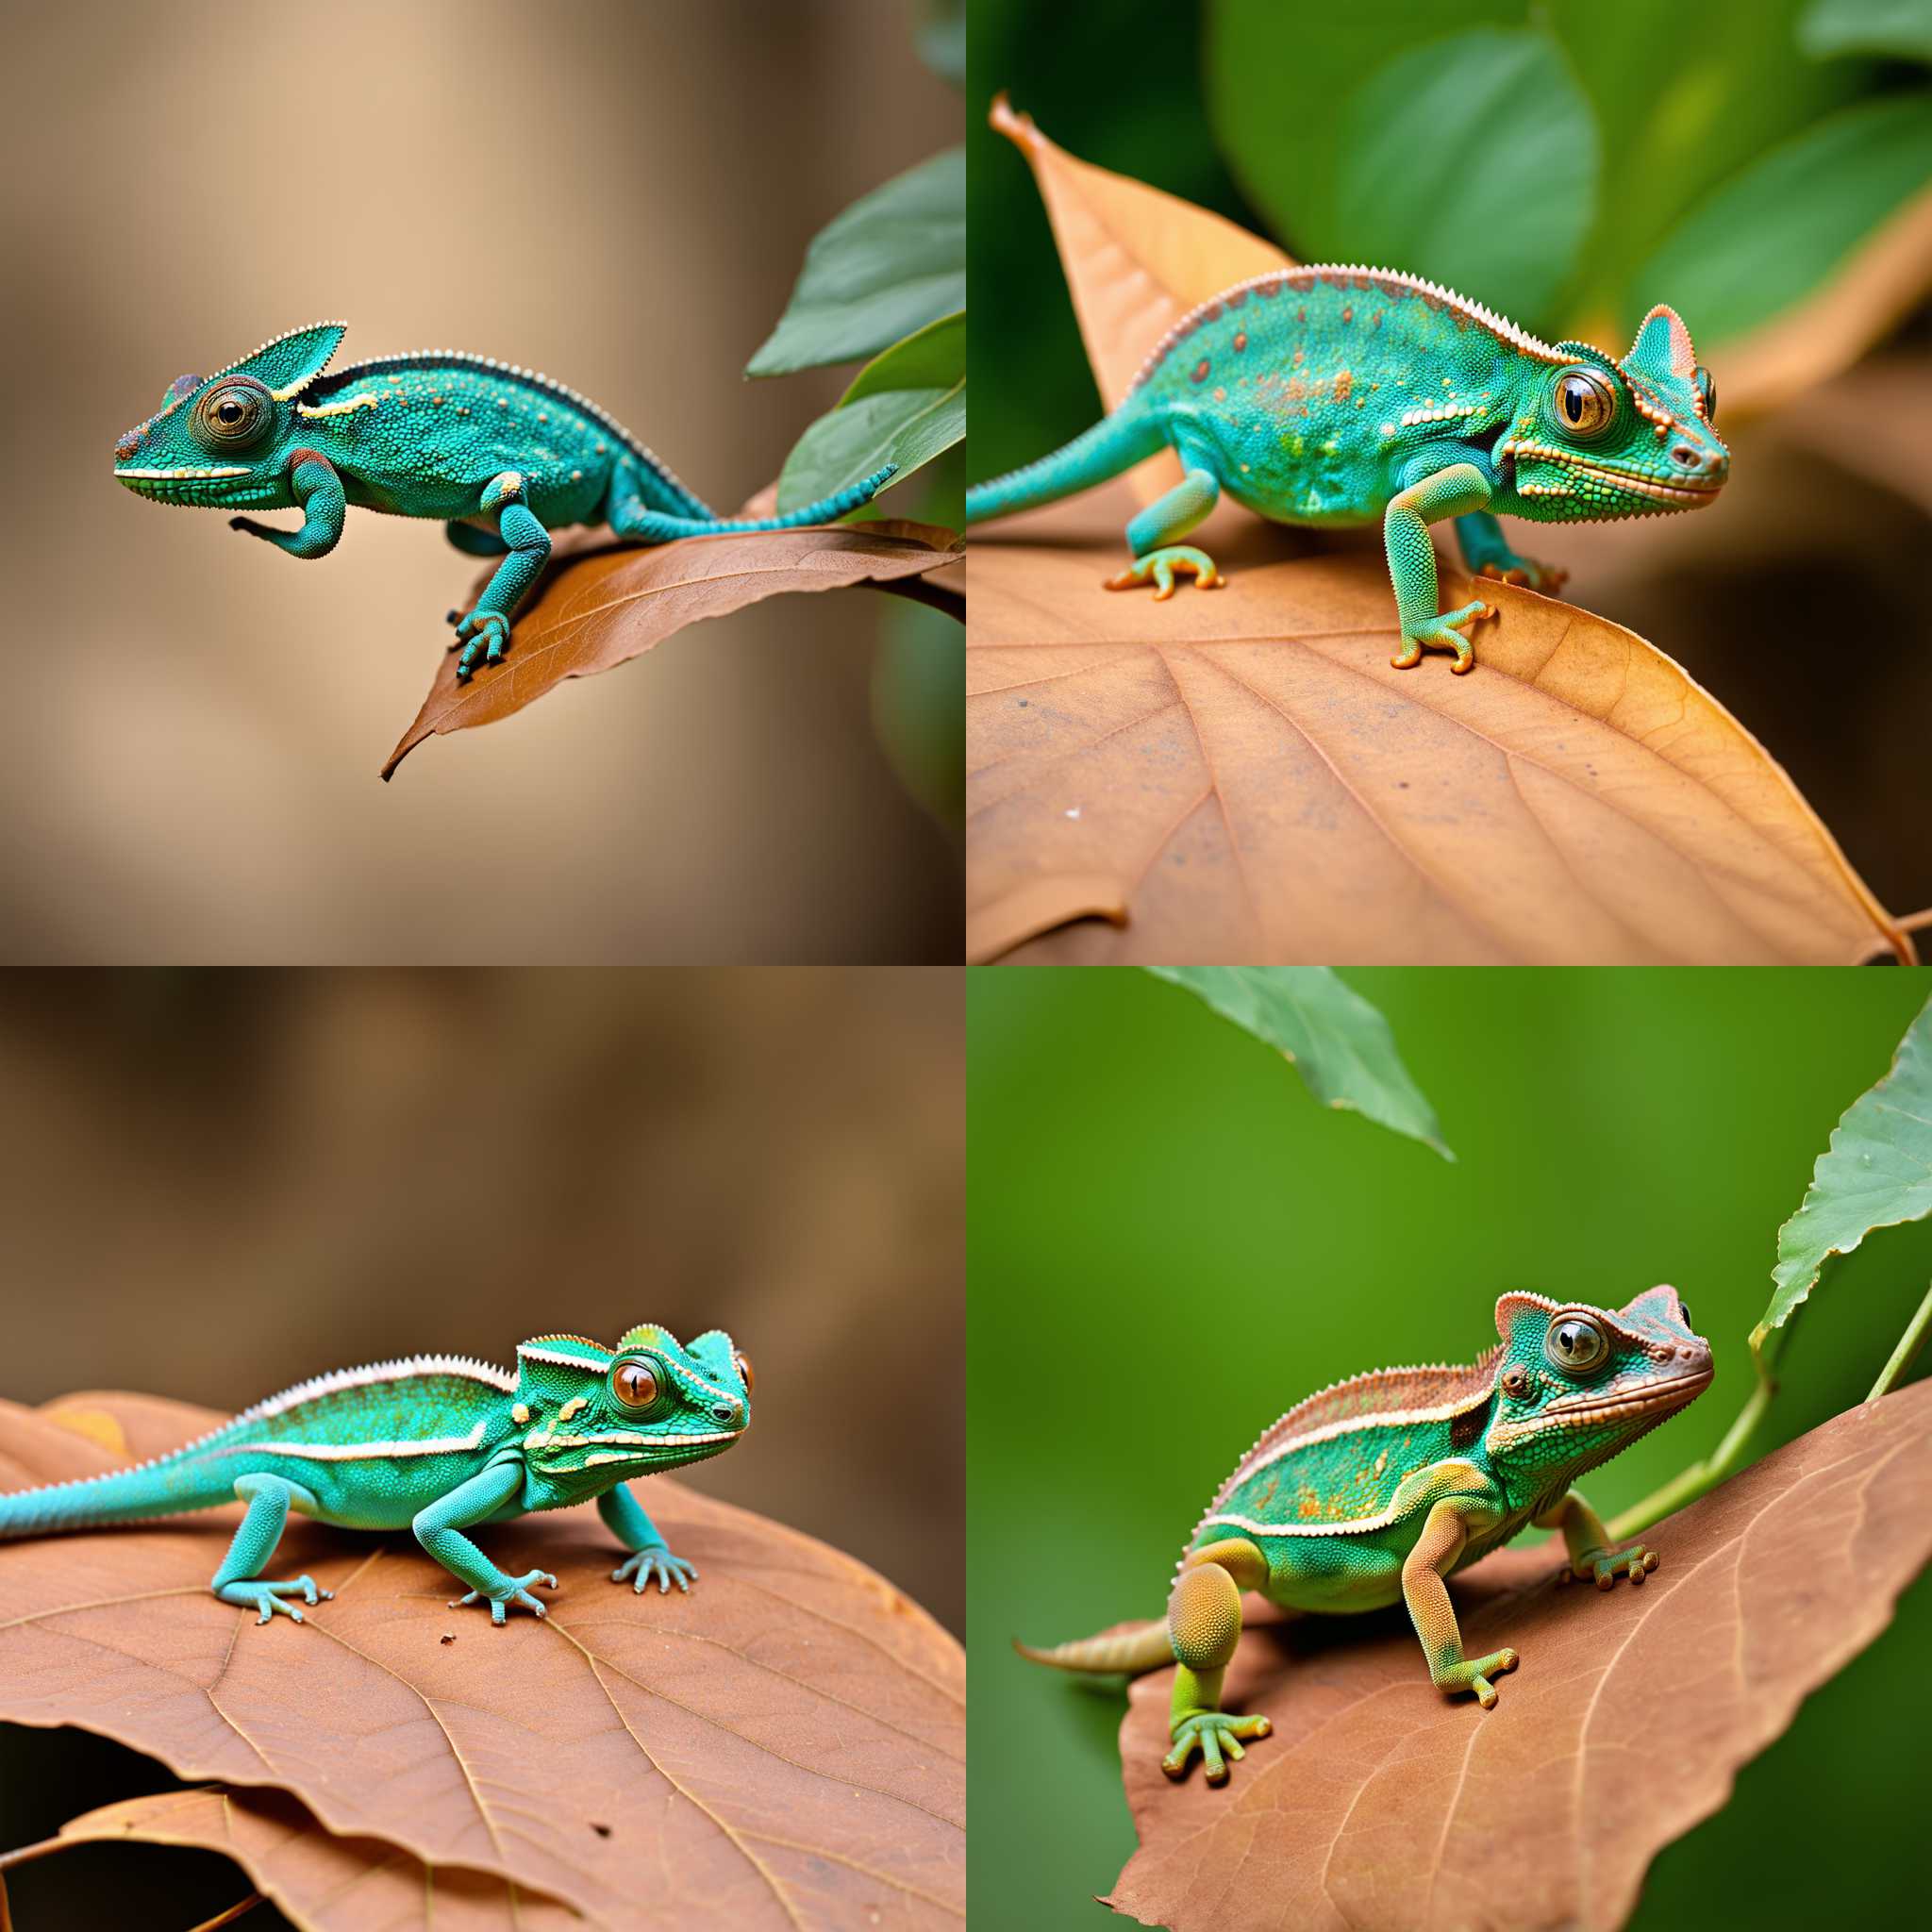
(240, 1579)
(1445, 1533)
(1153, 538)
(1454, 492)
(1204, 1623)
(1487, 553)
(484, 631)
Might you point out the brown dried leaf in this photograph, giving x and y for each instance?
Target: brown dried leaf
(1135, 261)
(784, 1747)
(1380, 1803)
(1239, 775)
(330, 1884)
(599, 603)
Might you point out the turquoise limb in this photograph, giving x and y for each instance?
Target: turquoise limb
(484, 632)
(474, 542)
(1451, 491)
(438, 1528)
(317, 490)
(651, 1558)
(239, 1580)
(1154, 537)
(1486, 552)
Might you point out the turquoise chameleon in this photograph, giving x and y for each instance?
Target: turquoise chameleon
(1376, 1489)
(503, 455)
(438, 1444)
(1339, 396)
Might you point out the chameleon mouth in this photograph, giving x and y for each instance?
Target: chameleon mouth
(185, 474)
(1612, 1406)
(202, 486)
(1684, 496)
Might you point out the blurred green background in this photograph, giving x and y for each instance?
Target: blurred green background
(1569, 165)
(1145, 1179)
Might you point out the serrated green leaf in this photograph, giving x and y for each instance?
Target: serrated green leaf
(1877, 1173)
(904, 407)
(1820, 194)
(1334, 1039)
(892, 262)
(1902, 28)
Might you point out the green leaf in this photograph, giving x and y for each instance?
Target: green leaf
(1339, 1043)
(1903, 27)
(1436, 147)
(1779, 228)
(1877, 1173)
(904, 407)
(892, 262)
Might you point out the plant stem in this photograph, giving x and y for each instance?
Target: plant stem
(1908, 1344)
(1689, 1484)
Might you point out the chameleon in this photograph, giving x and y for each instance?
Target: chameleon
(438, 1444)
(1339, 396)
(503, 455)
(1380, 1487)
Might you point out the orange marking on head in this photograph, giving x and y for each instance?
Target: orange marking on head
(1348, 311)
(1240, 340)
(1200, 370)
(1343, 383)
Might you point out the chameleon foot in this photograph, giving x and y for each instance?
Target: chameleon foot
(656, 1561)
(1443, 633)
(1162, 565)
(484, 634)
(1211, 1733)
(263, 1594)
(1547, 577)
(1474, 1674)
(515, 1591)
(1605, 1566)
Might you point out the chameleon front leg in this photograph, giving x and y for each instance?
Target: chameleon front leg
(438, 1528)
(1588, 1544)
(485, 630)
(651, 1558)
(1152, 537)
(317, 490)
(240, 1579)
(1445, 1535)
(1487, 553)
(1454, 492)
(1204, 1623)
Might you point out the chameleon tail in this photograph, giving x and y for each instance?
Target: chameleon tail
(1115, 443)
(165, 1487)
(1143, 1647)
(655, 526)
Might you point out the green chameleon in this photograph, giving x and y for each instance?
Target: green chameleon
(1380, 1487)
(502, 455)
(1341, 395)
(438, 1444)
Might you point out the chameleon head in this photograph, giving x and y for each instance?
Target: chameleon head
(597, 1416)
(223, 440)
(1597, 438)
(1575, 1385)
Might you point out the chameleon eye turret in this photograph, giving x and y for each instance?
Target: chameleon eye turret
(742, 1362)
(1576, 1345)
(1706, 394)
(1584, 404)
(235, 416)
(635, 1385)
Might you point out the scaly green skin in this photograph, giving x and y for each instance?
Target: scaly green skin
(438, 1444)
(1379, 1487)
(503, 455)
(1349, 395)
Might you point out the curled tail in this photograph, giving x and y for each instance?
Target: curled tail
(658, 526)
(1143, 1647)
(1115, 443)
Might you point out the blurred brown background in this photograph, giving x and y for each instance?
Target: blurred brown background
(215, 1184)
(619, 194)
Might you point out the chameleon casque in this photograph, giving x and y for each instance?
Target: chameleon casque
(1380, 1487)
(1339, 396)
(438, 1444)
(502, 455)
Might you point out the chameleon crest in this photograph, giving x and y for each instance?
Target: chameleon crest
(1379, 1487)
(501, 455)
(1349, 395)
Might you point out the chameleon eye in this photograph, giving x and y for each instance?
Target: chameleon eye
(1575, 1344)
(1684, 1310)
(1585, 404)
(233, 415)
(1706, 394)
(742, 1364)
(635, 1385)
